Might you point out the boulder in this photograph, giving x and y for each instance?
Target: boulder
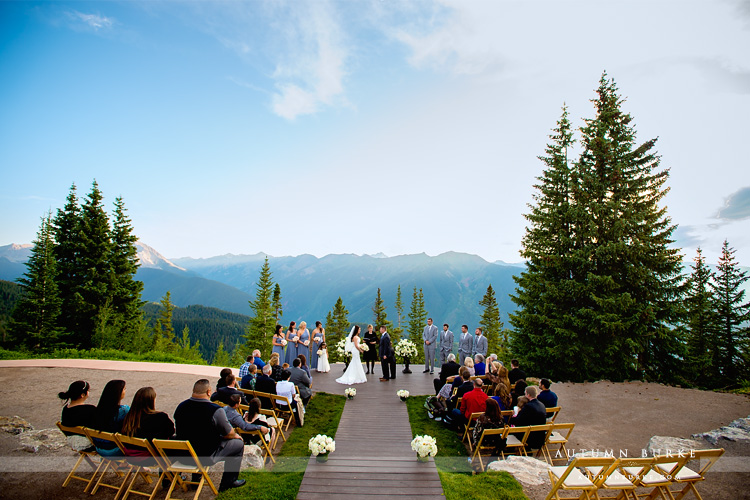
(661, 445)
(729, 433)
(33, 441)
(253, 457)
(526, 470)
(14, 425)
(742, 423)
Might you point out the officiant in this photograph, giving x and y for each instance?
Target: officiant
(371, 356)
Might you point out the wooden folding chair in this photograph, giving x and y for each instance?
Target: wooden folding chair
(116, 464)
(689, 477)
(272, 420)
(262, 443)
(544, 428)
(486, 442)
(248, 392)
(470, 427)
(559, 435)
(552, 414)
(515, 440)
(610, 478)
(142, 455)
(646, 473)
(178, 465)
(571, 478)
(85, 454)
(283, 407)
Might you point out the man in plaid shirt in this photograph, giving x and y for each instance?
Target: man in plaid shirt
(245, 367)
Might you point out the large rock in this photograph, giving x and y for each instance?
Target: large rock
(33, 441)
(253, 457)
(662, 445)
(14, 425)
(738, 431)
(742, 423)
(527, 470)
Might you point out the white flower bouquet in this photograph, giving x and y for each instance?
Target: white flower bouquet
(425, 446)
(295, 338)
(403, 394)
(406, 348)
(316, 339)
(364, 347)
(321, 445)
(350, 392)
(320, 352)
(283, 342)
(306, 343)
(341, 349)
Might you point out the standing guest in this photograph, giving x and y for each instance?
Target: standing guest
(479, 366)
(303, 344)
(301, 379)
(278, 341)
(143, 421)
(430, 337)
(480, 343)
(76, 412)
(518, 390)
(371, 341)
(275, 368)
(248, 381)
(446, 344)
(109, 416)
(236, 420)
(469, 364)
(532, 413)
(257, 360)
(205, 425)
(291, 342)
(223, 393)
(546, 397)
(222, 382)
(323, 365)
(448, 369)
(492, 419)
(516, 373)
(245, 367)
(319, 337)
(465, 344)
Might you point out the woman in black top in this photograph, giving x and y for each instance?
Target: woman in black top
(143, 421)
(372, 342)
(76, 412)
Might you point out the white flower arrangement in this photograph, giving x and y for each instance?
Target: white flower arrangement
(425, 446)
(350, 392)
(403, 393)
(295, 338)
(283, 342)
(364, 347)
(320, 352)
(316, 339)
(407, 348)
(341, 349)
(306, 343)
(321, 444)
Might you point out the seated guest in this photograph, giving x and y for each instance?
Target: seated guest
(518, 391)
(205, 425)
(257, 361)
(299, 378)
(546, 397)
(303, 365)
(222, 393)
(143, 421)
(254, 416)
(469, 364)
(502, 375)
(474, 401)
(479, 366)
(286, 388)
(248, 381)
(75, 411)
(516, 373)
(245, 366)
(532, 413)
(502, 396)
(464, 387)
(492, 419)
(264, 383)
(222, 382)
(491, 359)
(275, 368)
(234, 417)
(449, 368)
(109, 416)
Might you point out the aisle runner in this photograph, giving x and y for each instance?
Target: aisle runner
(373, 456)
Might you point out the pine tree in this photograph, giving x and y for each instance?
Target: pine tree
(380, 317)
(261, 325)
(188, 351)
(67, 251)
(34, 323)
(702, 354)
(277, 307)
(491, 324)
(398, 329)
(126, 290)
(337, 327)
(732, 332)
(417, 322)
(163, 333)
(221, 358)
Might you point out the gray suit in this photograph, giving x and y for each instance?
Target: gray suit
(465, 346)
(446, 345)
(302, 381)
(480, 346)
(430, 334)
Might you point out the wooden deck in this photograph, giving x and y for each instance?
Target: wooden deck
(373, 457)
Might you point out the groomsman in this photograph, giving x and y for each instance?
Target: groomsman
(465, 345)
(480, 344)
(446, 344)
(430, 337)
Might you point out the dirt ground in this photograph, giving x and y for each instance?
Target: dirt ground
(608, 416)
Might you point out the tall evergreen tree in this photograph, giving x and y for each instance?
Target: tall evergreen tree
(277, 306)
(34, 323)
(67, 250)
(491, 324)
(702, 352)
(261, 325)
(399, 305)
(380, 317)
(163, 333)
(417, 322)
(337, 326)
(732, 316)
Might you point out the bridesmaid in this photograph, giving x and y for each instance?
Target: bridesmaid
(303, 345)
(291, 345)
(278, 346)
(319, 337)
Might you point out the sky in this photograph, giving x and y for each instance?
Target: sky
(360, 127)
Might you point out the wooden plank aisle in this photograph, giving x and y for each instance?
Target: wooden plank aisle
(373, 457)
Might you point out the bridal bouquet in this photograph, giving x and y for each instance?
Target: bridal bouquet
(320, 352)
(403, 394)
(364, 347)
(406, 348)
(321, 445)
(295, 338)
(350, 392)
(283, 342)
(425, 446)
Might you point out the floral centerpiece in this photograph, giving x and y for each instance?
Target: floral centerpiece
(350, 392)
(320, 446)
(425, 446)
(403, 394)
(407, 349)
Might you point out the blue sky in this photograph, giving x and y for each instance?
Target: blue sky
(359, 127)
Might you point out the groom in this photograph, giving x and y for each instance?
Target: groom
(388, 357)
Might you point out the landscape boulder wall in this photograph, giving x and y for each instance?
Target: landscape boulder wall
(526, 470)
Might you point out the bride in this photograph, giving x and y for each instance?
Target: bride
(354, 373)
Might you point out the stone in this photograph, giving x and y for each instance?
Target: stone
(742, 423)
(526, 470)
(661, 445)
(33, 441)
(14, 425)
(253, 457)
(729, 433)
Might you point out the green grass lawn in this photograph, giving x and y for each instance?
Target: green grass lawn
(453, 465)
(283, 481)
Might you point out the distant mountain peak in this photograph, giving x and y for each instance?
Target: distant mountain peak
(150, 258)
(16, 253)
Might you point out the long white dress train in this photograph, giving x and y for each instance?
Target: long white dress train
(354, 373)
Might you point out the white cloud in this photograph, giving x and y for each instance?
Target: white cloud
(94, 21)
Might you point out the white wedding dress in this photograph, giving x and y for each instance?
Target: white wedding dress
(354, 373)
